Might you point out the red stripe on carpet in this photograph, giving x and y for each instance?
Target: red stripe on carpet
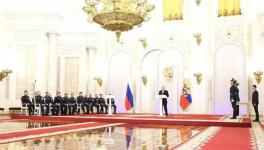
(230, 139)
(38, 131)
(138, 120)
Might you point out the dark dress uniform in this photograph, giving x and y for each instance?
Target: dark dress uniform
(65, 105)
(39, 103)
(87, 104)
(255, 102)
(234, 98)
(80, 101)
(95, 103)
(72, 105)
(164, 100)
(102, 105)
(57, 105)
(112, 103)
(48, 104)
(25, 100)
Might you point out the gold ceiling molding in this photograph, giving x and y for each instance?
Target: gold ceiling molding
(118, 15)
(172, 9)
(229, 8)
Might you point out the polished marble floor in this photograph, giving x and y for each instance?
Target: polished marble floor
(141, 137)
(7, 126)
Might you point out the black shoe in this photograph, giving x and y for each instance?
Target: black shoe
(233, 118)
(255, 120)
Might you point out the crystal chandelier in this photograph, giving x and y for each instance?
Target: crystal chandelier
(118, 15)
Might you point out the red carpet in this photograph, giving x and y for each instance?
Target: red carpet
(230, 139)
(141, 119)
(39, 131)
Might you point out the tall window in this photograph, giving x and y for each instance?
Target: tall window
(172, 9)
(71, 75)
(26, 69)
(229, 8)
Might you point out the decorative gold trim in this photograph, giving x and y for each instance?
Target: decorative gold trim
(4, 73)
(198, 77)
(144, 80)
(99, 81)
(198, 2)
(198, 38)
(258, 76)
(143, 41)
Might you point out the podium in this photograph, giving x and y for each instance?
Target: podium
(110, 103)
(160, 97)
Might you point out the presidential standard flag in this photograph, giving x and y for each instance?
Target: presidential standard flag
(129, 102)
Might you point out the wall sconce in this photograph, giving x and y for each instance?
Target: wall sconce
(198, 38)
(4, 73)
(144, 80)
(198, 2)
(258, 76)
(99, 81)
(198, 77)
(143, 42)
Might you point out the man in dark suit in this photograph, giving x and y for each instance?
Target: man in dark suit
(95, 103)
(112, 103)
(72, 104)
(255, 102)
(48, 103)
(65, 104)
(25, 100)
(57, 103)
(164, 100)
(80, 102)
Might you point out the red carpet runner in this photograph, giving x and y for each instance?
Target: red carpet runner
(230, 139)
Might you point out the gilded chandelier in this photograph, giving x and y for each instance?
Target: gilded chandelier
(118, 15)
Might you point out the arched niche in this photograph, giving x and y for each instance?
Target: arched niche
(119, 76)
(229, 62)
(152, 66)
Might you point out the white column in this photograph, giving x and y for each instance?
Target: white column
(52, 62)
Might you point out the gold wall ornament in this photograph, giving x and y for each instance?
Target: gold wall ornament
(198, 77)
(118, 15)
(198, 38)
(143, 42)
(99, 81)
(229, 8)
(172, 9)
(258, 76)
(168, 73)
(4, 73)
(144, 80)
(198, 2)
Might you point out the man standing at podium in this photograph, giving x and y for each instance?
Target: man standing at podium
(164, 100)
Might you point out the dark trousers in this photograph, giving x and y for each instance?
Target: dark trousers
(256, 111)
(56, 109)
(103, 107)
(113, 106)
(82, 107)
(64, 109)
(87, 108)
(235, 109)
(164, 105)
(97, 107)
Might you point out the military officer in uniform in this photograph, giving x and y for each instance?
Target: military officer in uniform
(234, 97)
(95, 103)
(65, 104)
(48, 101)
(164, 100)
(72, 104)
(102, 104)
(255, 102)
(38, 100)
(80, 101)
(25, 100)
(57, 103)
(88, 103)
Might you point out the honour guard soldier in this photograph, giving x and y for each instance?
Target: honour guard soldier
(234, 98)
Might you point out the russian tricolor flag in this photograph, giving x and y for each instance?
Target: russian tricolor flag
(185, 101)
(129, 102)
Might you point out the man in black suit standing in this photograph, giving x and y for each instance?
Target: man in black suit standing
(164, 100)
(255, 102)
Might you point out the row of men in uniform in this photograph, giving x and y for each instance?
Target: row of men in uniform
(66, 105)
